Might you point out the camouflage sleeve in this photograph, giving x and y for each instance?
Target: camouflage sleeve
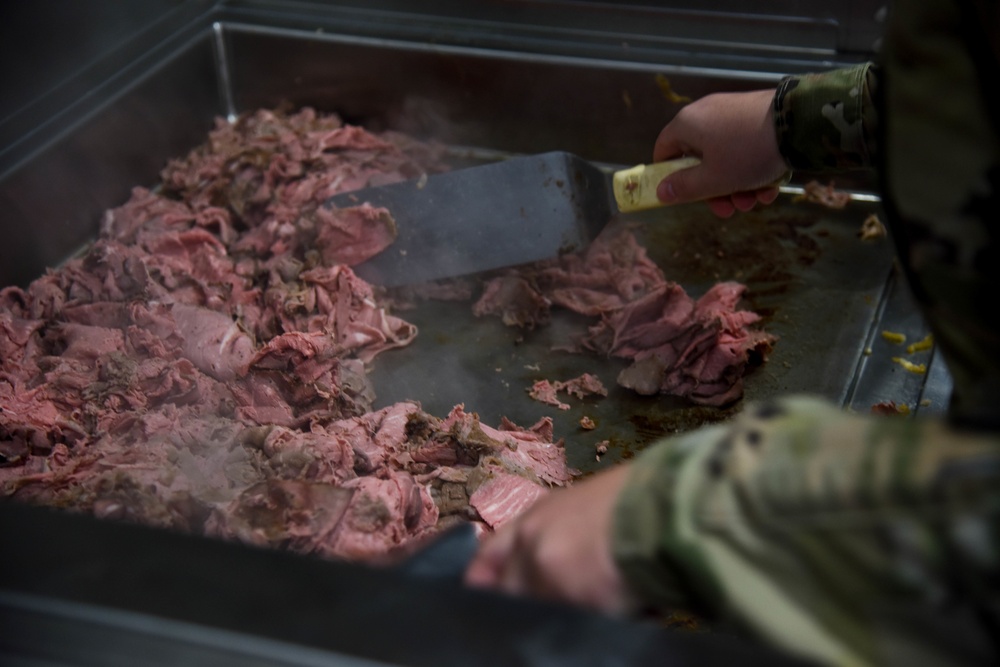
(941, 183)
(844, 539)
(827, 121)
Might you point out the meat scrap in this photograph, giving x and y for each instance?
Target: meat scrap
(202, 367)
(583, 386)
(697, 349)
(602, 449)
(872, 228)
(890, 408)
(545, 391)
(824, 195)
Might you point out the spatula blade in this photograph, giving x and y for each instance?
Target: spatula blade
(502, 214)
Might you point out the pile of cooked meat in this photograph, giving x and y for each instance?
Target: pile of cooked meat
(698, 349)
(202, 366)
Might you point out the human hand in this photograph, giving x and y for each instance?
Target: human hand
(733, 135)
(560, 548)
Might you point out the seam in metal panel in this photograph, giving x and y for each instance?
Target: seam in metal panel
(883, 302)
(222, 71)
(570, 61)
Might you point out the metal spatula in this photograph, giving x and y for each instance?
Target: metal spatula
(502, 214)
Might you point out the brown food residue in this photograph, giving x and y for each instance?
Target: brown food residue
(872, 229)
(890, 408)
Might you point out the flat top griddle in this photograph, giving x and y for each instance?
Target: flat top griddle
(816, 284)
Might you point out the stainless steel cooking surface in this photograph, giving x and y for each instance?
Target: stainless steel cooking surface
(818, 286)
(501, 84)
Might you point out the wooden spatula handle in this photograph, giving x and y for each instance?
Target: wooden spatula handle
(635, 188)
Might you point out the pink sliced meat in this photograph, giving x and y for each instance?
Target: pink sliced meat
(352, 235)
(213, 342)
(544, 391)
(202, 366)
(697, 349)
(504, 497)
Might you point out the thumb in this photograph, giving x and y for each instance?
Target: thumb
(487, 566)
(687, 185)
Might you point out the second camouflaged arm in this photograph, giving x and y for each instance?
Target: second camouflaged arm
(845, 539)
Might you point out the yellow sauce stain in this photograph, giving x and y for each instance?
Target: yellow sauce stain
(922, 345)
(893, 337)
(668, 92)
(919, 369)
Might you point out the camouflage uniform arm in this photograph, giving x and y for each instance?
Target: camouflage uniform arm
(827, 121)
(844, 539)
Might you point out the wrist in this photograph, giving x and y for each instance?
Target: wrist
(646, 537)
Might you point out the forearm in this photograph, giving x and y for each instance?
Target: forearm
(816, 529)
(827, 122)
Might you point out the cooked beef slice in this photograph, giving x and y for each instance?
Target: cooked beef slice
(515, 300)
(503, 497)
(698, 349)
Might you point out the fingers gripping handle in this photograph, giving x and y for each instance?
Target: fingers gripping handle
(635, 188)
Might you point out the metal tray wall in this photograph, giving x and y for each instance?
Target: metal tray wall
(162, 104)
(52, 202)
(510, 101)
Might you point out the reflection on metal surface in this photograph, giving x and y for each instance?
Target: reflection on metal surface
(222, 69)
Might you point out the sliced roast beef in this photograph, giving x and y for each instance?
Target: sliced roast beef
(202, 366)
(213, 342)
(352, 235)
(503, 497)
(697, 349)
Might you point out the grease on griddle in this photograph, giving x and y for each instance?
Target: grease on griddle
(654, 424)
(753, 248)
